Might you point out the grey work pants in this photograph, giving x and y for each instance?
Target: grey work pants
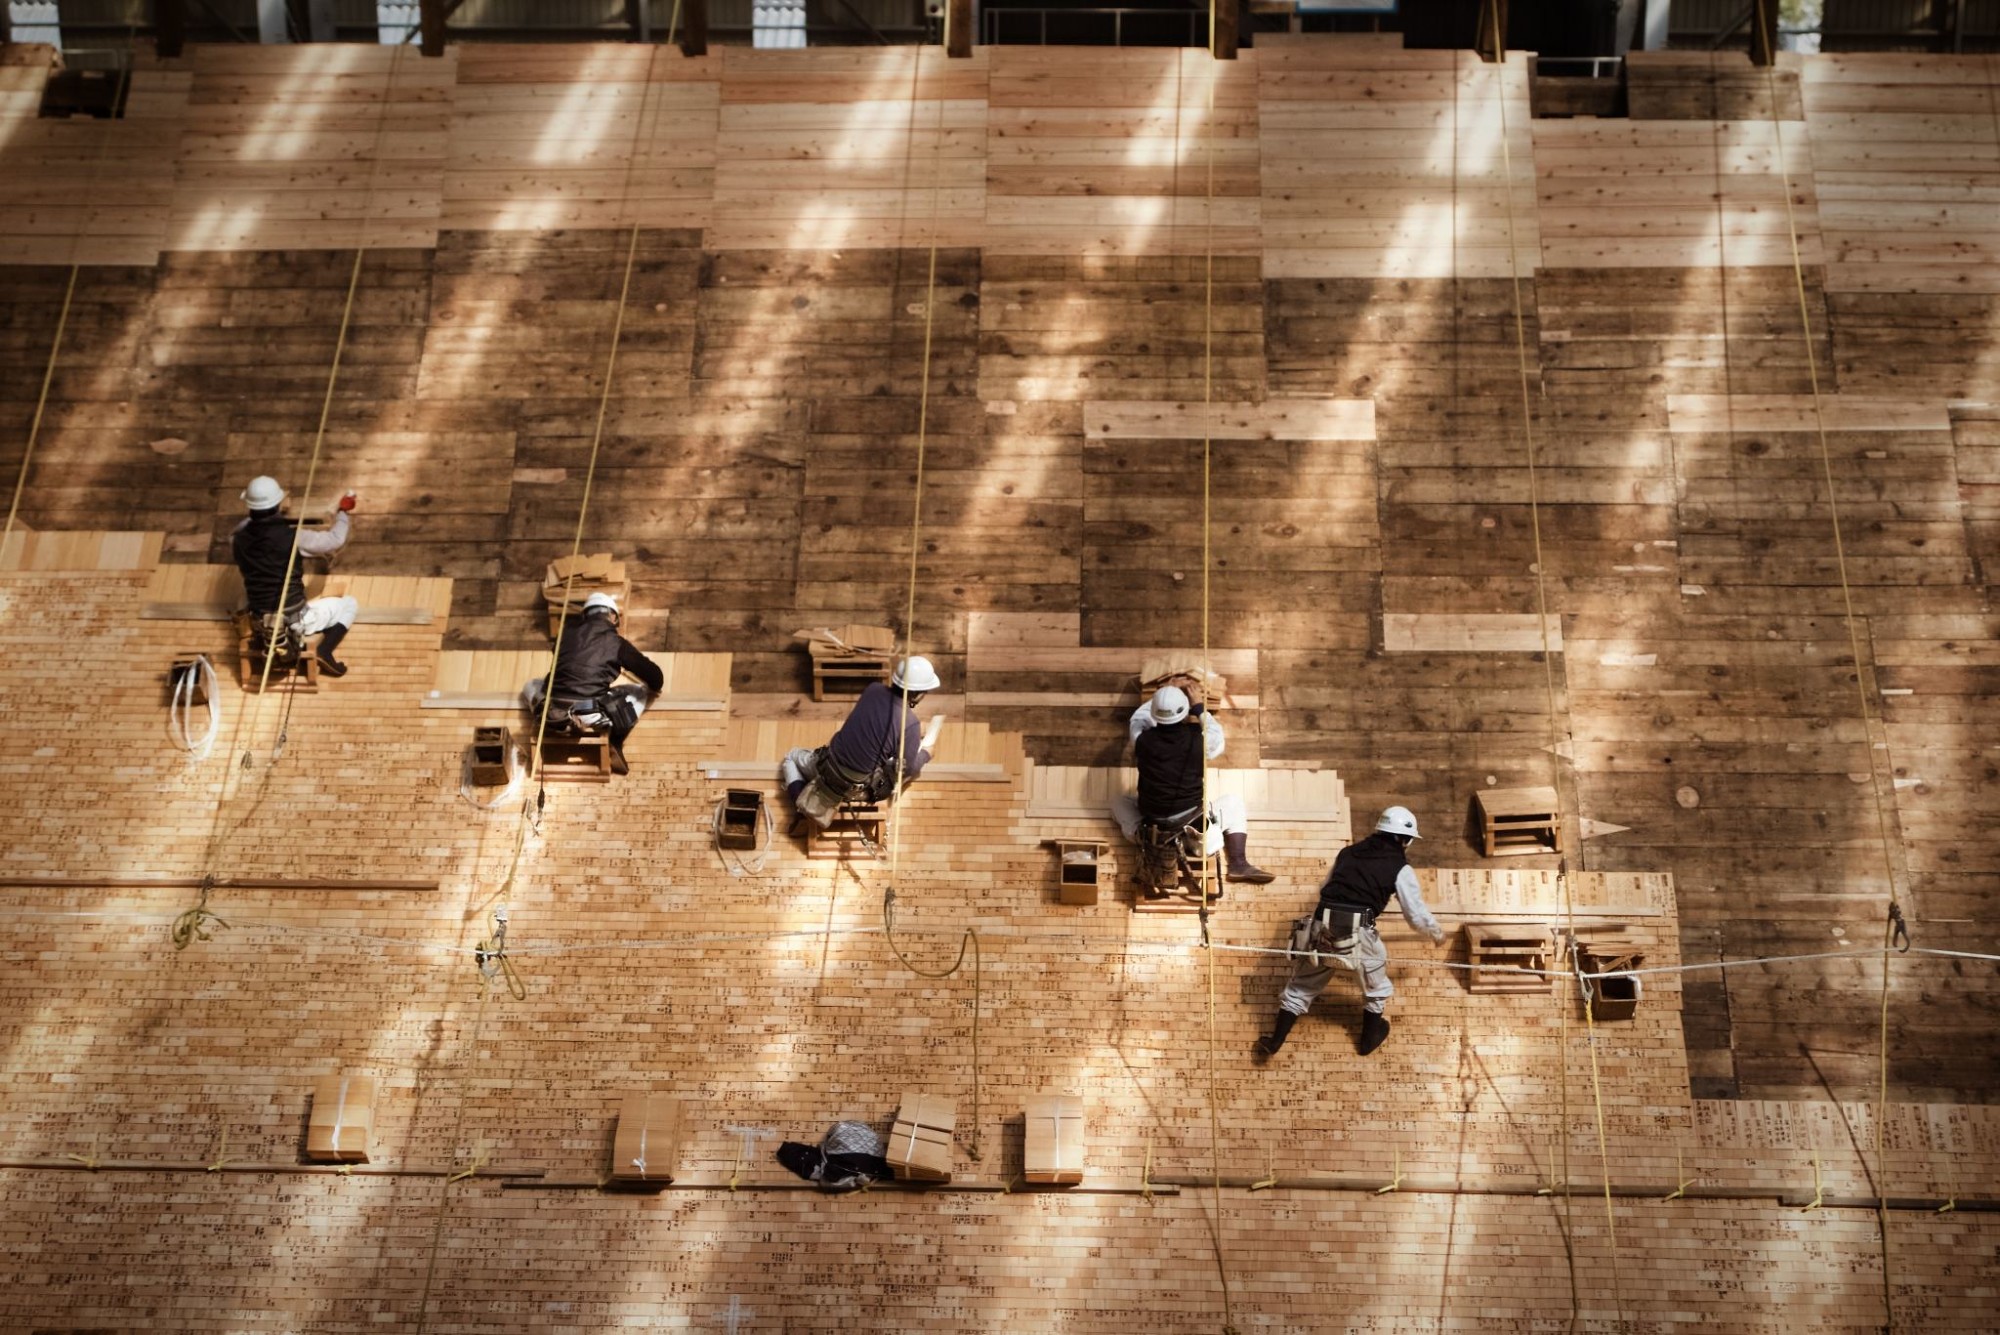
(1368, 959)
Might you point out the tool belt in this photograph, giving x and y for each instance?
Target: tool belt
(609, 710)
(835, 786)
(1329, 931)
(267, 628)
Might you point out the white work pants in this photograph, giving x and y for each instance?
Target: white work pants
(1368, 960)
(323, 614)
(1226, 815)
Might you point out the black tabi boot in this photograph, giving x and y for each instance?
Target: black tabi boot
(328, 642)
(1268, 1045)
(617, 742)
(1236, 846)
(1374, 1031)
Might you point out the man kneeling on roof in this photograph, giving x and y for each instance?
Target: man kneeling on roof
(1172, 739)
(876, 752)
(591, 656)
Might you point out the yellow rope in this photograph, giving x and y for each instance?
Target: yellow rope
(1895, 917)
(1556, 749)
(69, 290)
(970, 938)
(530, 803)
(41, 402)
(252, 717)
(1207, 443)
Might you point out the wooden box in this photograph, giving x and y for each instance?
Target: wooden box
(1079, 868)
(576, 759)
(1519, 820)
(1498, 952)
(742, 809)
(647, 1145)
(1053, 1145)
(186, 666)
(490, 748)
(859, 829)
(920, 1141)
(342, 1119)
(1615, 996)
(849, 655)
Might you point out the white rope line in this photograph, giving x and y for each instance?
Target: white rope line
(1109, 942)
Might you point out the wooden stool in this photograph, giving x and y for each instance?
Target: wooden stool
(857, 827)
(1519, 820)
(831, 665)
(1078, 864)
(567, 758)
(1499, 952)
(301, 676)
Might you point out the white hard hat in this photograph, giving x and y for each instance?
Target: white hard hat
(1170, 705)
(915, 674)
(1398, 820)
(597, 600)
(263, 493)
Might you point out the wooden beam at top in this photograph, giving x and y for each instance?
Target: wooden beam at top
(431, 15)
(1763, 32)
(1224, 20)
(169, 27)
(1491, 37)
(958, 28)
(693, 36)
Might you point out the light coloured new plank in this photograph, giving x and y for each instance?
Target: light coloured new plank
(1466, 632)
(1274, 419)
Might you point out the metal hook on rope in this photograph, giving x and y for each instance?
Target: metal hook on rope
(1899, 932)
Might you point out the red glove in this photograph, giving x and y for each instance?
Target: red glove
(347, 501)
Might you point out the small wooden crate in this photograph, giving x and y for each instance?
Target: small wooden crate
(568, 759)
(490, 750)
(1498, 952)
(832, 665)
(1079, 870)
(188, 665)
(742, 810)
(858, 829)
(1513, 821)
(1614, 997)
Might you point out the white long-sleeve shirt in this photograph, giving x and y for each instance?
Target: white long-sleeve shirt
(1410, 898)
(1211, 731)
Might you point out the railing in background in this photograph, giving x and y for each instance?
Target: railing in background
(1093, 27)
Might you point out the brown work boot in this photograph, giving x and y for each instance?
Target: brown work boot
(1236, 846)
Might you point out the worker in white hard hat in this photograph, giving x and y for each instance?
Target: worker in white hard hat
(591, 657)
(877, 751)
(274, 579)
(1341, 931)
(1173, 737)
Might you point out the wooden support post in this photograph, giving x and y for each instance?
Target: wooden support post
(1948, 20)
(1763, 32)
(1490, 39)
(638, 19)
(431, 15)
(1223, 21)
(958, 28)
(694, 27)
(169, 28)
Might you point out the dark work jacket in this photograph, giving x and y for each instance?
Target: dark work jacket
(262, 546)
(1170, 768)
(868, 737)
(592, 655)
(1364, 875)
